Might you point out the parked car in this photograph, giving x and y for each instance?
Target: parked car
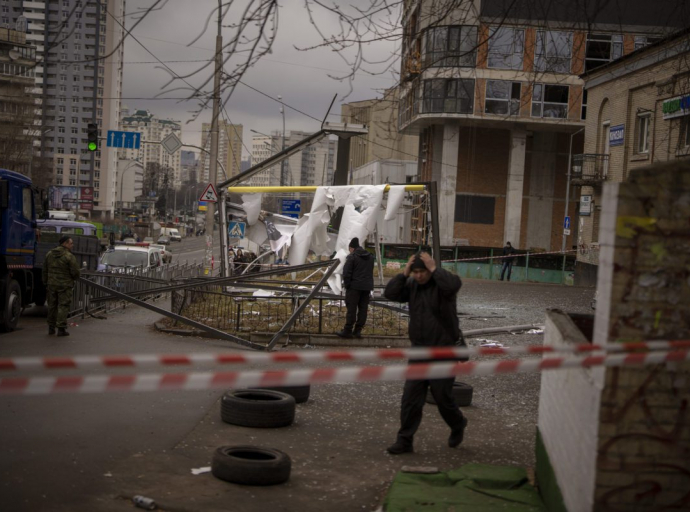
(166, 255)
(164, 240)
(130, 241)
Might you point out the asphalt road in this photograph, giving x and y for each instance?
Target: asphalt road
(193, 249)
(94, 452)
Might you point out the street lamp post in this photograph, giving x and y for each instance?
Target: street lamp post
(283, 178)
(122, 181)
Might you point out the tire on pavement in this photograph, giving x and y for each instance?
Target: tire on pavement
(299, 393)
(462, 395)
(251, 465)
(261, 408)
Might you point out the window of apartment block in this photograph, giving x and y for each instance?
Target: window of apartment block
(61, 129)
(642, 124)
(642, 41)
(506, 47)
(449, 95)
(474, 209)
(60, 161)
(583, 112)
(602, 48)
(72, 182)
(553, 51)
(502, 97)
(550, 100)
(453, 46)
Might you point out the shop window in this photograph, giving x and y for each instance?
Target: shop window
(474, 209)
(449, 95)
(553, 51)
(502, 97)
(642, 128)
(450, 46)
(601, 49)
(550, 101)
(506, 47)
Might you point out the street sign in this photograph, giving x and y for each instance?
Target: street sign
(617, 135)
(127, 140)
(171, 143)
(586, 205)
(209, 194)
(566, 223)
(236, 229)
(566, 232)
(291, 207)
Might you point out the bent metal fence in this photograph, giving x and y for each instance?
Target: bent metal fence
(87, 299)
(243, 313)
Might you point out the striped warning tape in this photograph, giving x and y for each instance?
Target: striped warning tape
(363, 355)
(216, 380)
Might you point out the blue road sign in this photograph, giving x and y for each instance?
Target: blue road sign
(566, 223)
(127, 140)
(291, 207)
(236, 229)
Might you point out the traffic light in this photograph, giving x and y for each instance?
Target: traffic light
(92, 130)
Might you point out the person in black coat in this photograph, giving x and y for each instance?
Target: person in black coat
(358, 279)
(508, 251)
(431, 294)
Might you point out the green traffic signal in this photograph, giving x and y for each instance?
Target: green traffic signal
(93, 146)
(92, 131)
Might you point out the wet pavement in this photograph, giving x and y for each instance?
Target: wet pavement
(337, 443)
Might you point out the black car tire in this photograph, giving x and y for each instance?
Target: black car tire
(299, 393)
(260, 408)
(251, 465)
(462, 395)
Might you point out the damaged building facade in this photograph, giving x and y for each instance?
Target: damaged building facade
(492, 88)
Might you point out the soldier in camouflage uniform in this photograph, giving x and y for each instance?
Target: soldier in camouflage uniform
(60, 271)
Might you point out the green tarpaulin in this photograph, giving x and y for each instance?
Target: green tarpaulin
(473, 487)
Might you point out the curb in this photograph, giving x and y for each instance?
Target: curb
(317, 340)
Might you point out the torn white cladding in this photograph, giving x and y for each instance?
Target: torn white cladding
(396, 195)
(252, 206)
(263, 293)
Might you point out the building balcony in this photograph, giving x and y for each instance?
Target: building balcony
(589, 169)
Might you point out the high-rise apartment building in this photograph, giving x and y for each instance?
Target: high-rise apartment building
(262, 148)
(229, 149)
(153, 130)
(79, 76)
(314, 165)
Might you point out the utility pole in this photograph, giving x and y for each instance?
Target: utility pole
(213, 164)
(567, 185)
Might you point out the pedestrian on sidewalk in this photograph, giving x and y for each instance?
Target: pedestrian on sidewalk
(60, 271)
(508, 250)
(358, 279)
(431, 293)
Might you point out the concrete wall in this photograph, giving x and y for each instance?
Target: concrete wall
(643, 455)
(568, 420)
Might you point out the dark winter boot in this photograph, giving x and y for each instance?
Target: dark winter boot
(357, 333)
(51, 330)
(345, 333)
(62, 332)
(456, 436)
(399, 448)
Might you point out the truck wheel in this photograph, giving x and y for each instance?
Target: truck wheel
(13, 307)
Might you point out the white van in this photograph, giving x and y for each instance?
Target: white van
(126, 257)
(172, 233)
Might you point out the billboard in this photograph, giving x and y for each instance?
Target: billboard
(70, 198)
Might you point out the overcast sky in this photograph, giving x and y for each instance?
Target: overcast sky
(300, 77)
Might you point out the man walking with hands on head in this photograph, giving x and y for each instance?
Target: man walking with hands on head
(358, 279)
(431, 293)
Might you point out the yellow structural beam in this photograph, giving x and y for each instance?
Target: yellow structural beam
(286, 190)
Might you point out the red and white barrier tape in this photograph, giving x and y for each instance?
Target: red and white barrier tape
(253, 378)
(531, 255)
(363, 355)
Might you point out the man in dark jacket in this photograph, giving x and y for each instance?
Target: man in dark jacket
(60, 271)
(358, 279)
(507, 260)
(431, 293)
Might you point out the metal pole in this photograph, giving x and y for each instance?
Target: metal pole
(213, 164)
(222, 219)
(283, 177)
(567, 184)
(436, 240)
